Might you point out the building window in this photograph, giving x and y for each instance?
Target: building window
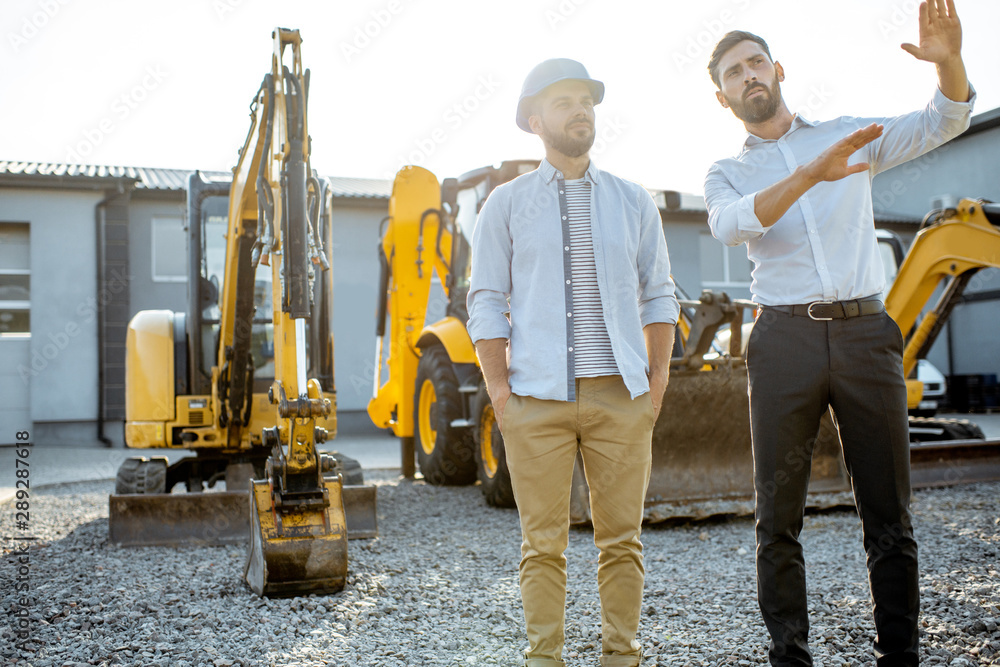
(169, 251)
(722, 266)
(15, 280)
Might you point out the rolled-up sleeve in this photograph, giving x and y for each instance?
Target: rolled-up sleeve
(911, 135)
(490, 282)
(657, 299)
(731, 215)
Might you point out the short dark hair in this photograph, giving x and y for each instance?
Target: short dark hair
(728, 41)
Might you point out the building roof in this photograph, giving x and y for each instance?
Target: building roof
(147, 178)
(678, 202)
(983, 121)
(153, 179)
(368, 188)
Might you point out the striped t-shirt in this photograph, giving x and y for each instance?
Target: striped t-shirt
(591, 344)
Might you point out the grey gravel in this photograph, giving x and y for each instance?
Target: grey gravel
(439, 587)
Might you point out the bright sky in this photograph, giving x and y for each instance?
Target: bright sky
(435, 82)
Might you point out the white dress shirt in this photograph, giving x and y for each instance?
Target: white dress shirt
(824, 246)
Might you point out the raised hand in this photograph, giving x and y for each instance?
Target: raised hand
(941, 44)
(831, 164)
(940, 33)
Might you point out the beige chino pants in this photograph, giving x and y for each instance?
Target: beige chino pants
(613, 432)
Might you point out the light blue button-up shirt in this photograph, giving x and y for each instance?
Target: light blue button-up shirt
(824, 246)
(520, 286)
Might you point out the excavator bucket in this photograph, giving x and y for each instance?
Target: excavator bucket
(296, 552)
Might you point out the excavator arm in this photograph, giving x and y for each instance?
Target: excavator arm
(952, 246)
(298, 535)
(406, 270)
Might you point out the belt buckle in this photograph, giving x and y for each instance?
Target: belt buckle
(809, 310)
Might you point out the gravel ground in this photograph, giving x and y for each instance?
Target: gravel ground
(439, 587)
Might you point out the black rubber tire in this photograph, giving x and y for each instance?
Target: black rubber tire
(141, 475)
(952, 429)
(488, 442)
(125, 479)
(444, 453)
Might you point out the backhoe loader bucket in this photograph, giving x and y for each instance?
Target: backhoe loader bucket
(702, 457)
(296, 552)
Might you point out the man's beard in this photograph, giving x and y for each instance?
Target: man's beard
(759, 109)
(566, 144)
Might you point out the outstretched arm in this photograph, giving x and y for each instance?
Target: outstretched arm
(941, 44)
(831, 165)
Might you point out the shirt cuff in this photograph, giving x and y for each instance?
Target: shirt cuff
(950, 108)
(486, 317)
(661, 309)
(746, 217)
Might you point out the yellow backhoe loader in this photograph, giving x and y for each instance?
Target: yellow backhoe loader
(435, 401)
(244, 378)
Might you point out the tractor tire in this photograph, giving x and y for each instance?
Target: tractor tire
(444, 453)
(141, 475)
(491, 458)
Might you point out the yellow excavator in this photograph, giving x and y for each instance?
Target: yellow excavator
(244, 378)
(434, 400)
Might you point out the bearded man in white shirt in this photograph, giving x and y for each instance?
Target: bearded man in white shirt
(799, 196)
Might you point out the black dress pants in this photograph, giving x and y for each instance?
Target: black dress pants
(798, 367)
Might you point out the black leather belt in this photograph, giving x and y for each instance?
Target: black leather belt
(834, 310)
